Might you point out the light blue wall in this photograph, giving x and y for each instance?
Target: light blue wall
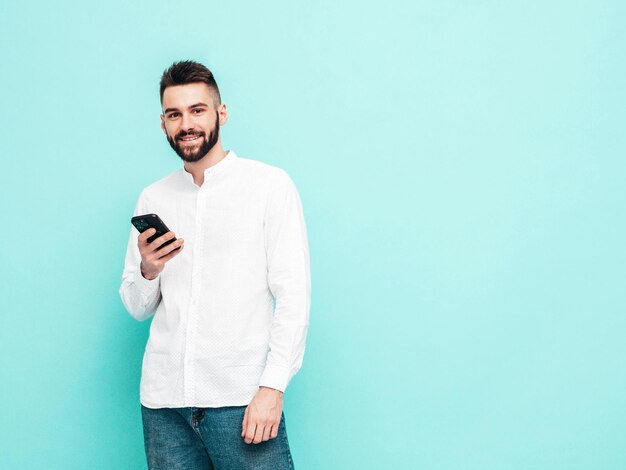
(462, 169)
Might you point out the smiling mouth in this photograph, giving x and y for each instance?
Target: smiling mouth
(189, 138)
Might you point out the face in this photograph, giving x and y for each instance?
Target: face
(190, 120)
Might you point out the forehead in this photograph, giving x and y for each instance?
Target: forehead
(183, 96)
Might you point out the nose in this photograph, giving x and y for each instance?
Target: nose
(186, 122)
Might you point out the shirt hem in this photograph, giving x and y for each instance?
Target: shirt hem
(154, 406)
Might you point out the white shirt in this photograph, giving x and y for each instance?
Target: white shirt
(231, 311)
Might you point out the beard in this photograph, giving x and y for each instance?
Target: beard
(196, 152)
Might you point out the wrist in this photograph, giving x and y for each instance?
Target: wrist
(278, 392)
(147, 274)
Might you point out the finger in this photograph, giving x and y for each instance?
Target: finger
(245, 423)
(274, 431)
(250, 431)
(156, 243)
(266, 433)
(172, 254)
(169, 248)
(258, 435)
(143, 236)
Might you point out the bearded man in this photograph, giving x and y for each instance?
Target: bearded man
(229, 298)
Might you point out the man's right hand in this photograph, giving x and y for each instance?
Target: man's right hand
(152, 259)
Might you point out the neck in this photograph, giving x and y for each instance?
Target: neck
(214, 156)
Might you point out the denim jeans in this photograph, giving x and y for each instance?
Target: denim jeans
(208, 439)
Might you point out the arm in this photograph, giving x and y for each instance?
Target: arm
(139, 295)
(289, 281)
(140, 290)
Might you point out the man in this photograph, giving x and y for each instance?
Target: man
(230, 296)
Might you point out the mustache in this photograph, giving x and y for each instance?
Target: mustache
(182, 134)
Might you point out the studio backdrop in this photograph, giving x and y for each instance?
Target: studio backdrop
(462, 171)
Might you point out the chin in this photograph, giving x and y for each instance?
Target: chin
(192, 157)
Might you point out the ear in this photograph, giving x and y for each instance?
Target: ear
(222, 113)
(163, 124)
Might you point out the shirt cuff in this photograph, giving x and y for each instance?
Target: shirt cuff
(146, 286)
(275, 377)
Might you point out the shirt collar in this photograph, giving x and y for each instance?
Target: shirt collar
(219, 167)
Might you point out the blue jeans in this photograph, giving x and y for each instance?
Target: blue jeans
(208, 439)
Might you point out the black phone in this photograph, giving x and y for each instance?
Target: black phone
(144, 222)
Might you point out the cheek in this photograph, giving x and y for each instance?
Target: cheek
(169, 131)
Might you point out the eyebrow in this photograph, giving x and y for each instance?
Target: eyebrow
(169, 110)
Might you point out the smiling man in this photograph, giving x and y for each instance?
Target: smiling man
(230, 297)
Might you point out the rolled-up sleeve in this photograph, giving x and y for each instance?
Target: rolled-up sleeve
(139, 295)
(289, 282)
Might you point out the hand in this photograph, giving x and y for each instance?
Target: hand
(152, 259)
(262, 417)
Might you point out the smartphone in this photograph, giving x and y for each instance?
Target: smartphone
(144, 222)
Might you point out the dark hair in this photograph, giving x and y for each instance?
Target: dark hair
(188, 71)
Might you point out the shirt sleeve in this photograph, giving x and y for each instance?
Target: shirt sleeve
(289, 281)
(139, 295)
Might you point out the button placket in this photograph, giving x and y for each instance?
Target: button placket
(192, 317)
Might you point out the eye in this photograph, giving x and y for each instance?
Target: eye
(172, 115)
(198, 110)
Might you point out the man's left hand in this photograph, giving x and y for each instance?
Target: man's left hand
(262, 417)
